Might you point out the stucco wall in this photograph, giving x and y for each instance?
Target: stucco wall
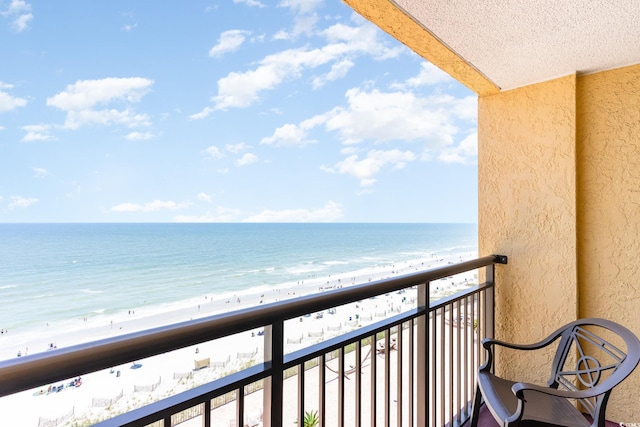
(527, 210)
(608, 150)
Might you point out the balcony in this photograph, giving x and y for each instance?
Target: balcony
(405, 365)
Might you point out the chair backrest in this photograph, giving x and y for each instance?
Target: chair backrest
(599, 360)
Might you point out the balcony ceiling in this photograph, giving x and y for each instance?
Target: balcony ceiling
(519, 42)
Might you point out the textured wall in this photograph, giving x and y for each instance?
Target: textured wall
(527, 210)
(608, 150)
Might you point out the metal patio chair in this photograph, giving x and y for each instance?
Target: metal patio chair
(599, 367)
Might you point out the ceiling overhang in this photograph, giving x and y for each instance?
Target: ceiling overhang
(497, 45)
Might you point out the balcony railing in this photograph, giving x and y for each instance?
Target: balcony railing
(413, 368)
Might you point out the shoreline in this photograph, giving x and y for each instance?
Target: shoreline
(240, 349)
(76, 331)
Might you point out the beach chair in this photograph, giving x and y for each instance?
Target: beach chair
(599, 366)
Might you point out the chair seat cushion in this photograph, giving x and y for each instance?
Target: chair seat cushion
(539, 407)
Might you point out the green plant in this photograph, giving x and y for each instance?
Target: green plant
(310, 419)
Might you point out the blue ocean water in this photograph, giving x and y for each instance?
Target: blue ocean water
(51, 273)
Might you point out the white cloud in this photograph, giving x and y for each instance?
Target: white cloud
(19, 12)
(242, 89)
(289, 135)
(229, 41)
(301, 6)
(107, 117)
(85, 94)
(139, 136)
(338, 71)
(305, 19)
(21, 202)
(16, 7)
(365, 169)
(389, 116)
(80, 99)
(330, 212)
(386, 117)
(362, 38)
(247, 159)
(251, 3)
(429, 75)
(37, 133)
(2, 128)
(40, 172)
(202, 114)
(154, 206)
(214, 152)
(129, 27)
(236, 148)
(465, 152)
(204, 197)
(465, 108)
(21, 23)
(8, 102)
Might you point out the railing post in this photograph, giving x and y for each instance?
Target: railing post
(273, 384)
(489, 303)
(422, 360)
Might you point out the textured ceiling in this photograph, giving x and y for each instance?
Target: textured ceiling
(519, 42)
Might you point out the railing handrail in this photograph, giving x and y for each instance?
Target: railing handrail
(32, 371)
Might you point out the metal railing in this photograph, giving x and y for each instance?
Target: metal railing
(416, 367)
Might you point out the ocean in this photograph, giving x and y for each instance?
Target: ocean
(55, 274)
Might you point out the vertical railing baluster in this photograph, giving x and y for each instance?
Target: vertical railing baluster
(490, 333)
(206, 416)
(458, 370)
(410, 374)
(472, 345)
(387, 377)
(341, 375)
(301, 386)
(442, 392)
(433, 354)
(423, 357)
(399, 391)
(273, 354)
(374, 389)
(321, 392)
(240, 407)
(450, 350)
(465, 358)
(358, 375)
(481, 325)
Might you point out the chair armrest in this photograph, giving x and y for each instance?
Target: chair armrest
(488, 344)
(519, 388)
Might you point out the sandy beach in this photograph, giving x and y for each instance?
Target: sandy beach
(171, 373)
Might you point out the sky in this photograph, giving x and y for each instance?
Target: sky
(225, 111)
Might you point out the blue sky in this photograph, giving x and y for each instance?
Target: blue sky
(225, 111)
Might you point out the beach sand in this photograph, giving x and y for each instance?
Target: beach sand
(171, 373)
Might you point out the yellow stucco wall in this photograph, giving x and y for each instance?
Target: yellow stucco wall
(527, 210)
(608, 151)
(559, 192)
